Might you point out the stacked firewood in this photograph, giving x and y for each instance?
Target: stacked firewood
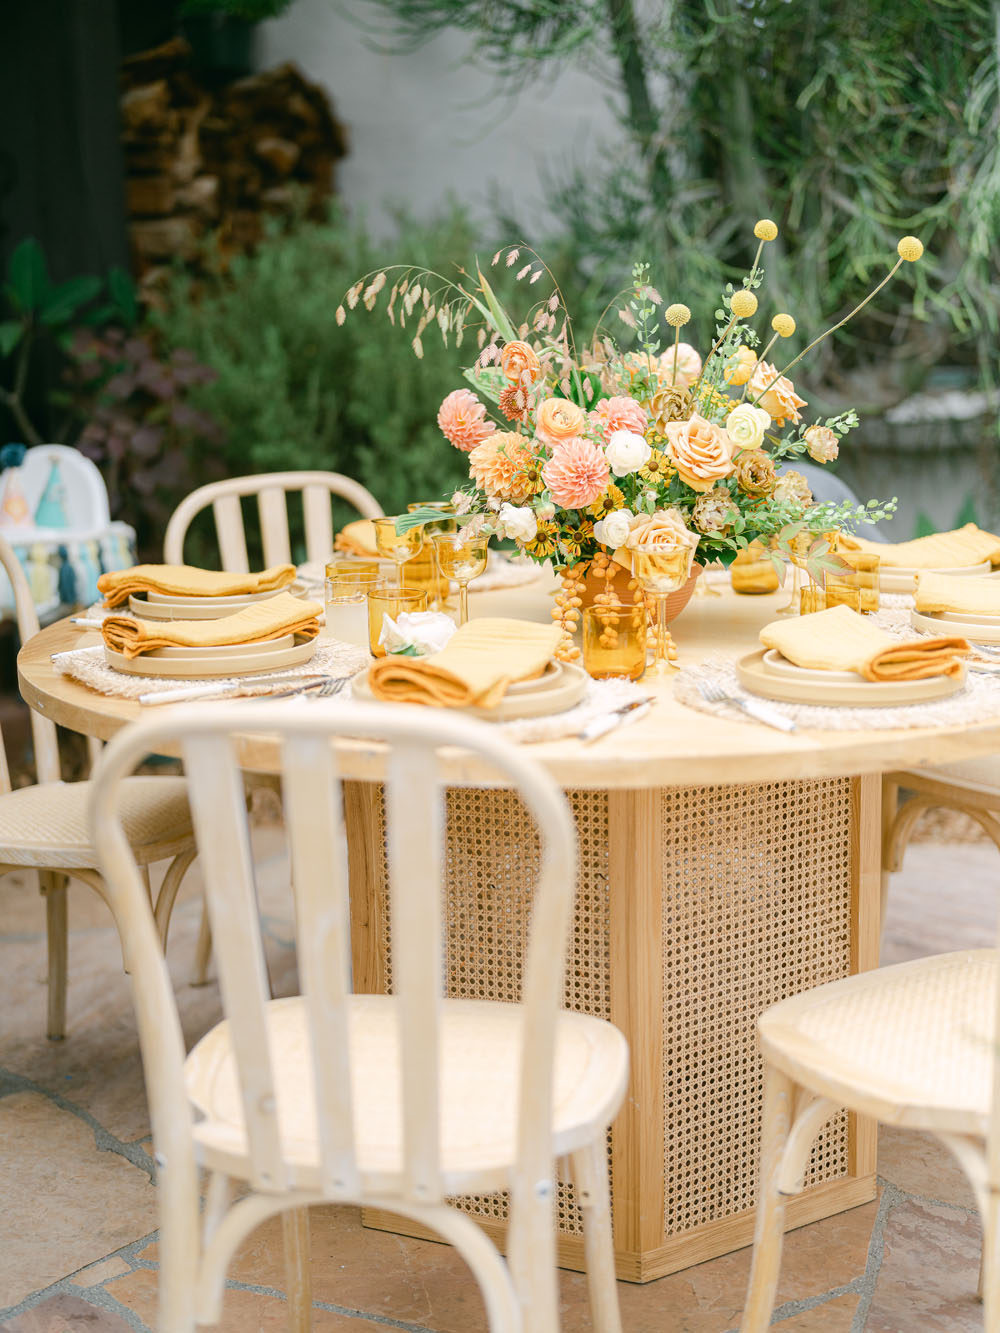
(200, 160)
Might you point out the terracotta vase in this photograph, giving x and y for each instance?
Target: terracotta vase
(676, 601)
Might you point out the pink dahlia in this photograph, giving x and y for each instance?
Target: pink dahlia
(576, 474)
(462, 418)
(619, 413)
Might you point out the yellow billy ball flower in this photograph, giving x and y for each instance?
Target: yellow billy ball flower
(910, 249)
(783, 325)
(743, 304)
(765, 230)
(677, 315)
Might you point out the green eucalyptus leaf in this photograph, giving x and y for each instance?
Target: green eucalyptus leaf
(417, 519)
(27, 275)
(11, 332)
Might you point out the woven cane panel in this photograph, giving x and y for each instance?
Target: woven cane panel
(757, 907)
(491, 867)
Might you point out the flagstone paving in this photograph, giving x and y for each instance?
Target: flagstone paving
(77, 1207)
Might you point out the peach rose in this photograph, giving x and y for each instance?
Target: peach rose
(519, 363)
(775, 394)
(619, 413)
(688, 366)
(665, 548)
(740, 365)
(576, 474)
(701, 452)
(558, 420)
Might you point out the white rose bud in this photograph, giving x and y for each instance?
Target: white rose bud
(613, 531)
(626, 452)
(545, 512)
(517, 524)
(746, 425)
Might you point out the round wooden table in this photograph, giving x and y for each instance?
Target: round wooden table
(723, 866)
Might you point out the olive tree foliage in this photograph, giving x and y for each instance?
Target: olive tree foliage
(849, 125)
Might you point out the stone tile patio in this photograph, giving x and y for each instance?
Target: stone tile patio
(77, 1208)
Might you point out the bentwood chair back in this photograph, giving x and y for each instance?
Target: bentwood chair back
(44, 826)
(271, 491)
(392, 1101)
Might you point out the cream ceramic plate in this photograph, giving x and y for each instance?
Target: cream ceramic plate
(167, 606)
(893, 579)
(813, 687)
(780, 666)
(229, 660)
(968, 628)
(550, 677)
(964, 618)
(541, 699)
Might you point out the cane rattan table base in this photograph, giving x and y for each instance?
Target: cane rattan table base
(696, 909)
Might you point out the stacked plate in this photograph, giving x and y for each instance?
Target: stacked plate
(561, 686)
(978, 628)
(896, 579)
(171, 606)
(772, 676)
(234, 659)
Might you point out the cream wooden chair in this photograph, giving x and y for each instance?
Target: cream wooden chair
(45, 826)
(913, 1045)
(971, 787)
(392, 1101)
(271, 490)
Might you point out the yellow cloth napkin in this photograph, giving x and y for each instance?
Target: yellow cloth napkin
(941, 550)
(270, 619)
(838, 639)
(187, 581)
(357, 538)
(952, 592)
(475, 667)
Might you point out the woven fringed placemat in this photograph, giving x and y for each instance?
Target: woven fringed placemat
(332, 658)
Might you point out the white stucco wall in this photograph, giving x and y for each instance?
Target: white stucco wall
(430, 123)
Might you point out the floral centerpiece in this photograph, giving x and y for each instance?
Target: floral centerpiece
(582, 454)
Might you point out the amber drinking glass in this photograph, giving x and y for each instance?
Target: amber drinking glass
(614, 640)
(387, 600)
(354, 569)
(855, 582)
(397, 546)
(811, 598)
(463, 559)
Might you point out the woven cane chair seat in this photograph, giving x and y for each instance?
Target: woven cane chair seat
(980, 775)
(47, 825)
(915, 1041)
(480, 1053)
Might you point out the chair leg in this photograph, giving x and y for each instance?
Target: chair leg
(590, 1172)
(298, 1277)
(168, 892)
(769, 1230)
(989, 1273)
(531, 1257)
(202, 950)
(53, 886)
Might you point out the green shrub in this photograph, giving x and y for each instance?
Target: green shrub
(296, 391)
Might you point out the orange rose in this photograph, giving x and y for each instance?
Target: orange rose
(558, 420)
(740, 365)
(519, 363)
(780, 398)
(701, 452)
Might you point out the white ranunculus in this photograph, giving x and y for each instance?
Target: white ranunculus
(426, 631)
(613, 531)
(626, 452)
(746, 425)
(517, 523)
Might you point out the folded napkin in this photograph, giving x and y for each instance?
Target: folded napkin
(265, 620)
(952, 592)
(839, 639)
(475, 667)
(187, 581)
(941, 550)
(357, 538)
